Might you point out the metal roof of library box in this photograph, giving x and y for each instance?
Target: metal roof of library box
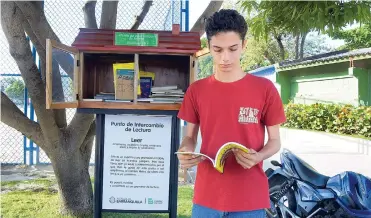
(138, 41)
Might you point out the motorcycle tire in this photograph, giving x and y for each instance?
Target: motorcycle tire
(275, 186)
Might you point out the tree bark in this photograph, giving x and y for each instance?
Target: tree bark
(78, 127)
(89, 14)
(12, 20)
(280, 45)
(302, 43)
(72, 173)
(68, 147)
(38, 22)
(139, 19)
(109, 14)
(297, 46)
(15, 118)
(63, 146)
(59, 115)
(42, 30)
(199, 25)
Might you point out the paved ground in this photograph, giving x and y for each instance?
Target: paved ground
(329, 154)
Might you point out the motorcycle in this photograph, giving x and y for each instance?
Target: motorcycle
(298, 190)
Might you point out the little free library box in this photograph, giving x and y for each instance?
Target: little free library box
(121, 69)
(134, 82)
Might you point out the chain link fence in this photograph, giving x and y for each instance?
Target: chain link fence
(11, 141)
(65, 18)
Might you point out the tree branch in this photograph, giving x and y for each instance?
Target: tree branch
(268, 56)
(42, 30)
(109, 14)
(35, 41)
(12, 116)
(12, 20)
(79, 127)
(38, 21)
(60, 115)
(36, 32)
(139, 19)
(89, 14)
(199, 25)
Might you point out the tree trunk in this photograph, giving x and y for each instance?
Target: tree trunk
(280, 45)
(297, 46)
(72, 173)
(303, 37)
(109, 15)
(89, 14)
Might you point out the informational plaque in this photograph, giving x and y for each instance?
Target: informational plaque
(136, 165)
(136, 39)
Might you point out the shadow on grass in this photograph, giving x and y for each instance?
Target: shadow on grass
(39, 198)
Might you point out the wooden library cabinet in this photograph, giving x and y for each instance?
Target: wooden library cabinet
(121, 69)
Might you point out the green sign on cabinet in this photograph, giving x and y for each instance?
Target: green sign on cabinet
(136, 39)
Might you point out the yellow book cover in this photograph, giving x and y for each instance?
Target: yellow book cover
(221, 155)
(123, 66)
(147, 74)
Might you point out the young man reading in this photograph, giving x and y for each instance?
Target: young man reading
(230, 105)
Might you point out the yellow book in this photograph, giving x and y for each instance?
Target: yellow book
(221, 155)
(123, 66)
(147, 74)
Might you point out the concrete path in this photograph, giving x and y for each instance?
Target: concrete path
(329, 154)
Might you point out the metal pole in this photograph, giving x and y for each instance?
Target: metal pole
(25, 108)
(32, 111)
(187, 15)
(181, 14)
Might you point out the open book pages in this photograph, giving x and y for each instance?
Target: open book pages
(220, 157)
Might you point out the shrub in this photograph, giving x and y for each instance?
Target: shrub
(334, 118)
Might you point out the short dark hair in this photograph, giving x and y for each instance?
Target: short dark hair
(226, 20)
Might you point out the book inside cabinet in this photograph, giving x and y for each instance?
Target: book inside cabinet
(116, 79)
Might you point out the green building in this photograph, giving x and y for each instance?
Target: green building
(336, 77)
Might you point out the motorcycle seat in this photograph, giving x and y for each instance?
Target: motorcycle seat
(308, 173)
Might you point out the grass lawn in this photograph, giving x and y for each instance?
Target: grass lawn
(38, 198)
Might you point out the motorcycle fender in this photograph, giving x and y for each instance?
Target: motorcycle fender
(276, 172)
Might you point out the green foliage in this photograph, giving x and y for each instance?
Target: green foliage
(333, 118)
(258, 52)
(16, 89)
(355, 38)
(205, 66)
(204, 43)
(304, 16)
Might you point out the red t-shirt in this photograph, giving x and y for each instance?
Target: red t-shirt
(236, 111)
